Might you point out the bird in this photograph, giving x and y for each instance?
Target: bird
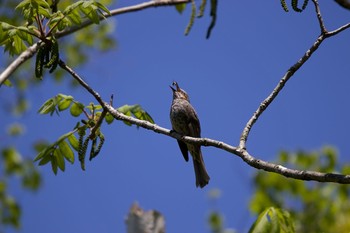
(184, 120)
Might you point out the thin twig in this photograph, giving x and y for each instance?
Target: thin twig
(319, 17)
(123, 10)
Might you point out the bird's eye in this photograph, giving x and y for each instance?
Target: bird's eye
(174, 83)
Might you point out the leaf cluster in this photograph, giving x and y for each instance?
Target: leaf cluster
(15, 165)
(316, 207)
(86, 131)
(42, 22)
(273, 220)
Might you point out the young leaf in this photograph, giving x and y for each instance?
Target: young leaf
(273, 220)
(47, 151)
(59, 158)
(64, 104)
(109, 118)
(102, 7)
(66, 151)
(48, 107)
(180, 7)
(76, 109)
(73, 141)
(54, 164)
(45, 159)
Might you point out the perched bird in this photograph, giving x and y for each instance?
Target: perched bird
(184, 120)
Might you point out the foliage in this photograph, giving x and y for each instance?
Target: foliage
(75, 48)
(315, 207)
(62, 150)
(47, 23)
(273, 220)
(13, 165)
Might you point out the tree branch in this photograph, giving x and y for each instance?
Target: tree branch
(319, 17)
(290, 72)
(242, 153)
(138, 7)
(24, 56)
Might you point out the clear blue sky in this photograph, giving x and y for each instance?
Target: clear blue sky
(227, 76)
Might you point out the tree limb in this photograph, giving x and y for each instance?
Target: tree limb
(290, 72)
(30, 51)
(241, 152)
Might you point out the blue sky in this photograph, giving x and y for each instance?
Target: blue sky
(227, 76)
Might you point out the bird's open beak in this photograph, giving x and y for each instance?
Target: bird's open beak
(174, 84)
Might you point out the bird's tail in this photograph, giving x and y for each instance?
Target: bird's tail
(202, 177)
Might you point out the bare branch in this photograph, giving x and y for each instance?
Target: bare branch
(319, 17)
(124, 10)
(290, 72)
(24, 56)
(262, 107)
(18, 61)
(242, 153)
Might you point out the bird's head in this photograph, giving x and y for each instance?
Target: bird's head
(178, 93)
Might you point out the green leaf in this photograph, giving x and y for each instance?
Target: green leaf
(93, 107)
(23, 4)
(69, 9)
(66, 151)
(273, 220)
(139, 113)
(54, 164)
(76, 109)
(7, 83)
(109, 118)
(46, 151)
(180, 7)
(74, 17)
(59, 159)
(215, 222)
(48, 107)
(73, 141)
(90, 11)
(47, 158)
(64, 104)
(102, 7)
(44, 11)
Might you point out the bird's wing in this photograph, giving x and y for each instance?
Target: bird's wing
(184, 149)
(194, 125)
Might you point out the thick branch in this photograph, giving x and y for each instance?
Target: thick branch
(24, 56)
(242, 153)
